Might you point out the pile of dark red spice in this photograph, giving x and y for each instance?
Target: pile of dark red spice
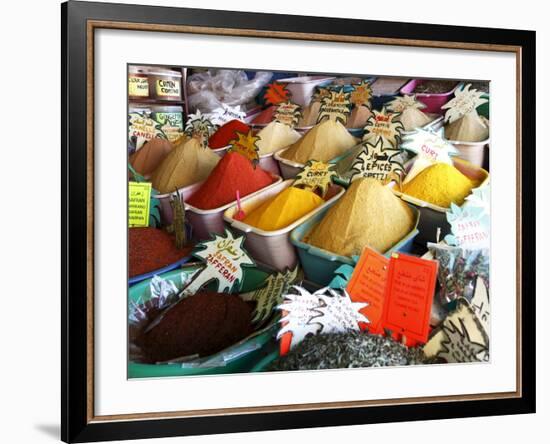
(202, 324)
(150, 249)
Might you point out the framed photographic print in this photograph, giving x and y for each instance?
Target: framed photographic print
(276, 221)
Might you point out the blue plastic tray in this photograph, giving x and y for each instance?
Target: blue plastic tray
(319, 265)
(134, 280)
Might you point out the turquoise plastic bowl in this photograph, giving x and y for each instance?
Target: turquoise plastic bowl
(253, 278)
(319, 265)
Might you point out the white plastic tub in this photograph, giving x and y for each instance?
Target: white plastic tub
(433, 218)
(274, 248)
(301, 88)
(165, 207)
(206, 222)
(473, 152)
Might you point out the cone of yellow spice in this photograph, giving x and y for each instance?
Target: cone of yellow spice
(440, 184)
(368, 214)
(283, 209)
(186, 164)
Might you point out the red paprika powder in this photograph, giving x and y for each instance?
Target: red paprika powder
(150, 249)
(234, 172)
(226, 133)
(266, 116)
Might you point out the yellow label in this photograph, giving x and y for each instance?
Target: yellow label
(138, 86)
(139, 200)
(167, 88)
(315, 175)
(245, 144)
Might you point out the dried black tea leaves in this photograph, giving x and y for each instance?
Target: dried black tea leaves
(347, 350)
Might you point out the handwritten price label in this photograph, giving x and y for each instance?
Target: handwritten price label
(224, 258)
(409, 297)
(315, 176)
(139, 201)
(368, 285)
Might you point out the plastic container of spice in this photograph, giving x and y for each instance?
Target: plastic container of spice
(385, 89)
(433, 101)
(138, 82)
(273, 248)
(473, 152)
(206, 222)
(164, 84)
(243, 355)
(433, 224)
(164, 199)
(301, 88)
(319, 265)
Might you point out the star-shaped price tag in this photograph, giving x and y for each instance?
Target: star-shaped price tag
(384, 125)
(288, 113)
(276, 93)
(271, 294)
(339, 313)
(325, 310)
(225, 114)
(198, 125)
(246, 144)
(315, 176)
(430, 147)
(466, 100)
(361, 94)
(377, 162)
(335, 106)
(461, 337)
(224, 258)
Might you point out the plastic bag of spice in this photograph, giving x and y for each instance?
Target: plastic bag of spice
(210, 89)
(459, 269)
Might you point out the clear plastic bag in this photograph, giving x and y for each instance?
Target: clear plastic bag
(210, 89)
(458, 270)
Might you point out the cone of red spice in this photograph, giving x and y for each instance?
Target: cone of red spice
(150, 249)
(266, 116)
(234, 172)
(226, 133)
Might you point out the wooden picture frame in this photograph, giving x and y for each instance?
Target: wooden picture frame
(79, 22)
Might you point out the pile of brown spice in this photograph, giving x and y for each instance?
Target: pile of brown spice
(150, 249)
(435, 86)
(202, 324)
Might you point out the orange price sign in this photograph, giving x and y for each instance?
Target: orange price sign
(368, 284)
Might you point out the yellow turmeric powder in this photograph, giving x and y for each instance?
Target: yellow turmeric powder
(283, 209)
(440, 184)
